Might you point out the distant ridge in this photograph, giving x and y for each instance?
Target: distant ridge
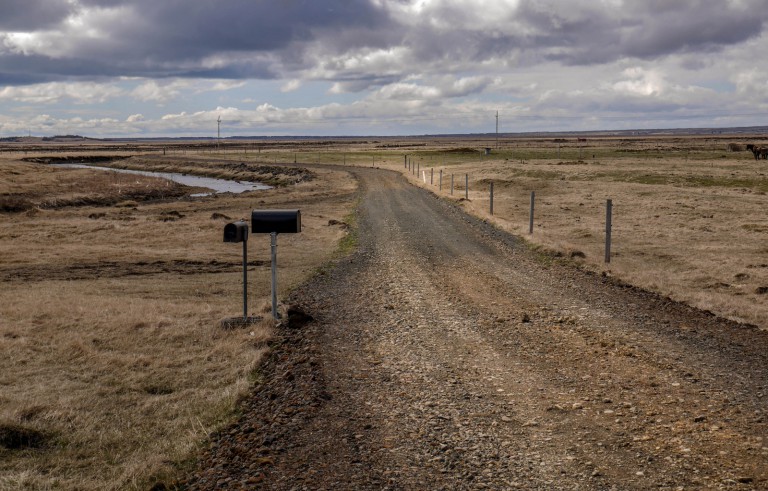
(726, 131)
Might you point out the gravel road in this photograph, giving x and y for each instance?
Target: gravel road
(445, 355)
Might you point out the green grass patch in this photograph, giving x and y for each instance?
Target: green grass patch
(351, 240)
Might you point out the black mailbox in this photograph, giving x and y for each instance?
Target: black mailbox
(236, 232)
(277, 221)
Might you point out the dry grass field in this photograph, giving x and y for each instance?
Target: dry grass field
(689, 218)
(115, 368)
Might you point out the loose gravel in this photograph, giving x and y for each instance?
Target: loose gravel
(444, 355)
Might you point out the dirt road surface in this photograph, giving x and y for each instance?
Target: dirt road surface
(445, 355)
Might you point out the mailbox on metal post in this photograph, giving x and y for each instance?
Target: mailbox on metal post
(238, 232)
(275, 222)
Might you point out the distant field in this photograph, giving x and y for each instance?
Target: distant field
(113, 287)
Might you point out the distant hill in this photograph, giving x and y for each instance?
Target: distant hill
(735, 131)
(56, 139)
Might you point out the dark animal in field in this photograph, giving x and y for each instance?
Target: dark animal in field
(758, 151)
(736, 147)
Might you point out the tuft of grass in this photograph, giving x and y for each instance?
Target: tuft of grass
(348, 242)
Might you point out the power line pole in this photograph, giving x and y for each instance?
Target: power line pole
(218, 132)
(497, 130)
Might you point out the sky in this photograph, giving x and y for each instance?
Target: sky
(172, 68)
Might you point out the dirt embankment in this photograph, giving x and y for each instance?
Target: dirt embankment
(272, 175)
(62, 188)
(74, 159)
(443, 355)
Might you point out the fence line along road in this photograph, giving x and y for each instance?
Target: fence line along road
(531, 214)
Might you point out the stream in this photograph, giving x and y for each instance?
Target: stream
(216, 185)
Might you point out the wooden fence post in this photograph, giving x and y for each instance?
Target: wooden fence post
(451, 184)
(530, 222)
(608, 224)
(441, 179)
(491, 197)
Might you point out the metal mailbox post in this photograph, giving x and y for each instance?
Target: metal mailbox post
(275, 222)
(238, 232)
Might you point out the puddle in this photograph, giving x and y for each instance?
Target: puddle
(215, 185)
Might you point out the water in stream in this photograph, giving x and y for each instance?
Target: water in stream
(216, 185)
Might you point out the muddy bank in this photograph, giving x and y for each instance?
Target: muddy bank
(69, 159)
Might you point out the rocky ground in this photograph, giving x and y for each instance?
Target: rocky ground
(445, 355)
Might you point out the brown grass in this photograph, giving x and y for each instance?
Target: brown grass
(109, 321)
(689, 219)
(115, 368)
(25, 186)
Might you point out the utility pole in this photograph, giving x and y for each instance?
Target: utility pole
(218, 132)
(497, 130)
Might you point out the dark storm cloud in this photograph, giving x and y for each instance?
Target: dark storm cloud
(172, 38)
(171, 31)
(281, 39)
(20, 16)
(589, 33)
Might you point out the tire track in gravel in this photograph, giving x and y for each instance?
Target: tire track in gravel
(446, 356)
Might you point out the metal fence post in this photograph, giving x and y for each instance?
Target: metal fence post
(466, 186)
(451, 184)
(441, 179)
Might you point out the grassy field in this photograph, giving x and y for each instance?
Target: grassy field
(113, 286)
(115, 368)
(689, 218)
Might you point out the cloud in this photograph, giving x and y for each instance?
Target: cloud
(358, 43)
(641, 82)
(224, 85)
(159, 91)
(291, 86)
(79, 93)
(32, 14)
(439, 62)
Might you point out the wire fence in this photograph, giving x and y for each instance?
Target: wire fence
(482, 192)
